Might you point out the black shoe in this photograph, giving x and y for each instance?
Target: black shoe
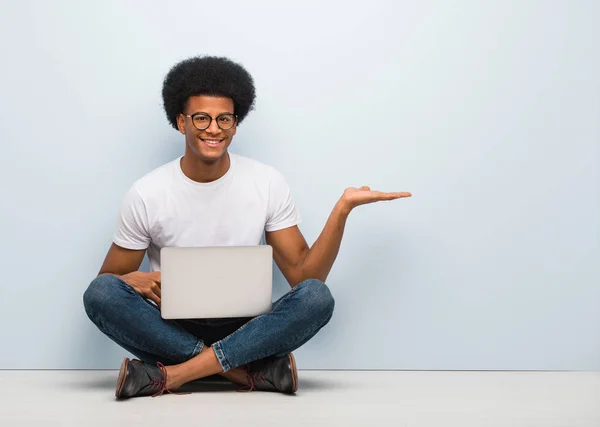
(273, 374)
(139, 379)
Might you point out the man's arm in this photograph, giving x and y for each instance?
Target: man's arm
(120, 261)
(297, 261)
(124, 263)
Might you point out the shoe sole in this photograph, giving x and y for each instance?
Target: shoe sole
(294, 373)
(122, 375)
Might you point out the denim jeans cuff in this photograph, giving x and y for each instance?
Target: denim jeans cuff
(221, 356)
(197, 349)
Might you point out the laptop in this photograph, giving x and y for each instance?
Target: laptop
(216, 282)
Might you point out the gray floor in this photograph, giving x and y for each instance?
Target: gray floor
(345, 398)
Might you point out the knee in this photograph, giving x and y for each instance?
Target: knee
(99, 294)
(318, 298)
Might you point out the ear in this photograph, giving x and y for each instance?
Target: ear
(181, 123)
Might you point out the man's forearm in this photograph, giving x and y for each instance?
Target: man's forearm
(324, 251)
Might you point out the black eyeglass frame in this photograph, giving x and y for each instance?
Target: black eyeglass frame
(234, 121)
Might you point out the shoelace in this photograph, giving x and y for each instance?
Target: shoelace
(161, 384)
(252, 379)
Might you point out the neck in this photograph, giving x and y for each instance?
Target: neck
(199, 170)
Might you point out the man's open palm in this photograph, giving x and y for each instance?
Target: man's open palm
(363, 195)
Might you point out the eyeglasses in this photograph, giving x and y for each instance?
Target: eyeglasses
(203, 121)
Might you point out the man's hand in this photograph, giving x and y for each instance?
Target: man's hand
(354, 197)
(145, 284)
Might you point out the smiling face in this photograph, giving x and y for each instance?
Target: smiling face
(208, 145)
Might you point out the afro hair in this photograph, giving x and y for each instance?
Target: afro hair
(207, 75)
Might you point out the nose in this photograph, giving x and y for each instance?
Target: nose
(213, 129)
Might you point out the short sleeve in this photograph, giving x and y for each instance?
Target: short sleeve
(132, 224)
(281, 212)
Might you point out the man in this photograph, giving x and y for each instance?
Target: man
(210, 197)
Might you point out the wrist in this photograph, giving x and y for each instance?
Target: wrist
(343, 208)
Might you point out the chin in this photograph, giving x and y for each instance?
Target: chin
(209, 158)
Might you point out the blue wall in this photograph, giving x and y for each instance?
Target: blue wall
(486, 111)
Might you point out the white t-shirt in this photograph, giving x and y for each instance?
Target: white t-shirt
(165, 208)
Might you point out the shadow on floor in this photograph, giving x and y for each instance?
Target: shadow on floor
(210, 384)
(109, 382)
(312, 384)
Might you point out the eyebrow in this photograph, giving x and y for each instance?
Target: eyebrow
(205, 113)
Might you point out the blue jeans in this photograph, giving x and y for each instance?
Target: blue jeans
(137, 326)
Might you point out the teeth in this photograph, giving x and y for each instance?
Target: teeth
(212, 142)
